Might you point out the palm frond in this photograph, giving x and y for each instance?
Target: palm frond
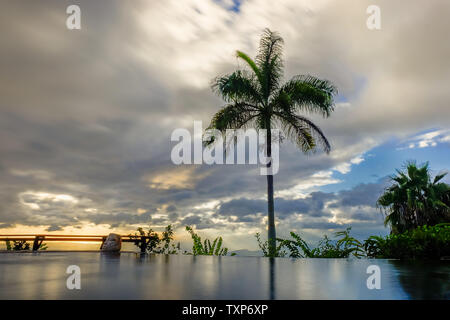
(237, 86)
(298, 133)
(439, 177)
(292, 123)
(250, 63)
(306, 93)
(270, 62)
(270, 46)
(233, 116)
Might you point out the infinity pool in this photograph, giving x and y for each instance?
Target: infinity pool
(132, 276)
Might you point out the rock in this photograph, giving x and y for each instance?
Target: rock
(113, 243)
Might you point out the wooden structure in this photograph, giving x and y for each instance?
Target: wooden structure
(38, 239)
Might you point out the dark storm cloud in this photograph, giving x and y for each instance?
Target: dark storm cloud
(120, 218)
(313, 205)
(6, 225)
(321, 225)
(173, 216)
(171, 208)
(242, 207)
(363, 194)
(54, 228)
(367, 216)
(199, 222)
(248, 219)
(190, 220)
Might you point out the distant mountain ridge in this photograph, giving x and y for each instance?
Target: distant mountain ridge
(247, 253)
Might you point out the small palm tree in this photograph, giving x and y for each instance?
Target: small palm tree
(256, 97)
(415, 199)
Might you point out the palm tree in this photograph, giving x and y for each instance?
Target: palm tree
(415, 199)
(256, 97)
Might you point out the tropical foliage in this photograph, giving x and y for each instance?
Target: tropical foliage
(264, 246)
(256, 97)
(163, 244)
(166, 242)
(206, 247)
(415, 199)
(22, 246)
(424, 242)
(157, 244)
(342, 247)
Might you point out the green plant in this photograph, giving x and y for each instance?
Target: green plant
(424, 242)
(166, 240)
(342, 247)
(256, 97)
(22, 246)
(415, 199)
(264, 246)
(149, 244)
(349, 245)
(206, 248)
(153, 243)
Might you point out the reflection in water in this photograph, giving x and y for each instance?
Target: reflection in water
(272, 278)
(431, 279)
(141, 276)
(109, 265)
(166, 270)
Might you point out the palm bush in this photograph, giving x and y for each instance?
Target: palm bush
(415, 199)
(256, 97)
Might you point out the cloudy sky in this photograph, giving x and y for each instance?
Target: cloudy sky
(86, 115)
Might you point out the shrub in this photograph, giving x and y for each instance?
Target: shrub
(424, 242)
(264, 246)
(342, 247)
(156, 244)
(206, 248)
(22, 246)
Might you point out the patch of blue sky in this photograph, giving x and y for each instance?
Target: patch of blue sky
(383, 160)
(232, 5)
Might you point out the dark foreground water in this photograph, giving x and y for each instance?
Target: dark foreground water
(131, 276)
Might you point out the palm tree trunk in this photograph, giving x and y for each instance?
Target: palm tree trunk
(270, 208)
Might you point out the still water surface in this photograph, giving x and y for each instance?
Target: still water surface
(132, 276)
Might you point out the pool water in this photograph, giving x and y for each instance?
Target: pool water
(135, 276)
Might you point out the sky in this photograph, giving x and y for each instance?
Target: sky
(86, 115)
